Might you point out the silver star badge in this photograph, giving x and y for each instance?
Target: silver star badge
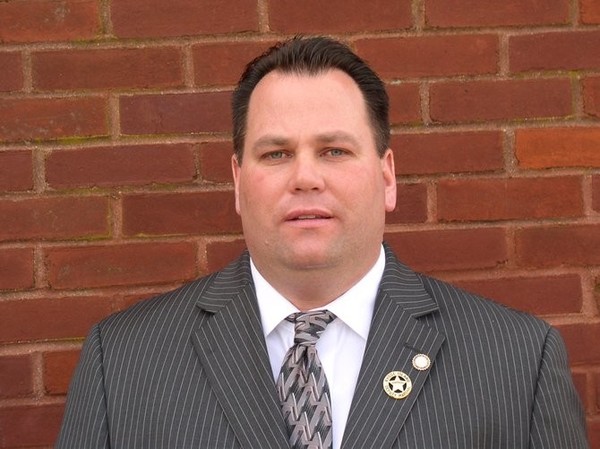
(397, 384)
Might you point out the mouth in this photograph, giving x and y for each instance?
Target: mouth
(311, 217)
(307, 216)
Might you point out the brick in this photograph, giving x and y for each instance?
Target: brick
(313, 16)
(16, 376)
(220, 254)
(176, 113)
(578, 338)
(591, 96)
(58, 369)
(575, 50)
(405, 103)
(25, 320)
(53, 218)
(107, 68)
(593, 428)
(573, 245)
(411, 204)
(16, 266)
(558, 147)
(580, 382)
(222, 63)
(30, 425)
(51, 118)
(590, 11)
(597, 392)
(476, 101)
(141, 18)
(423, 56)
(439, 250)
(539, 295)
(125, 264)
(508, 199)
(180, 213)
(48, 20)
(16, 171)
(12, 70)
(129, 300)
(447, 152)
(121, 165)
(481, 13)
(596, 193)
(215, 161)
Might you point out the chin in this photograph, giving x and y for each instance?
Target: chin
(308, 258)
(313, 260)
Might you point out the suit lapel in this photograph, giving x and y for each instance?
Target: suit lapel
(232, 350)
(396, 336)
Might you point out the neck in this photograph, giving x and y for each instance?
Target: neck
(314, 288)
(312, 291)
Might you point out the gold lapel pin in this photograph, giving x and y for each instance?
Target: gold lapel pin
(397, 385)
(421, 362)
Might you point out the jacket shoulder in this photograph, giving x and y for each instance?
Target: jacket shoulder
(173, 307)
(480, 312)
(164, 308)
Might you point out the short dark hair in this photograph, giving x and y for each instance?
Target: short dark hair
(312, 55)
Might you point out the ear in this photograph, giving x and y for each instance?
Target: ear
(389, 179)
(236, 172)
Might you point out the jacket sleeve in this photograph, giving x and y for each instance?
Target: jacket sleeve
(85, 422)
(557, 419)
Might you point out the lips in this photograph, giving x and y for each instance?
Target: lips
(308, 215)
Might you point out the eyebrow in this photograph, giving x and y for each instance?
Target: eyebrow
(337, 136)
(271, 140)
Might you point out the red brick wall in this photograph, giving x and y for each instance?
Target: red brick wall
(115, 146)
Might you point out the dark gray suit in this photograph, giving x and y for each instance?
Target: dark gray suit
(189, 369)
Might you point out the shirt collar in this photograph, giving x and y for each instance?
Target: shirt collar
(354, 307)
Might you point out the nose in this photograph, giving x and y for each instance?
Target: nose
(306, 174)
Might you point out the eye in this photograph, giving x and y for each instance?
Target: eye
(274, 155)
(335, 152)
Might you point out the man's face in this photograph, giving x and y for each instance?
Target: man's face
(312, 191)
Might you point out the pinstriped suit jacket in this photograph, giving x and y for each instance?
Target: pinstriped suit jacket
(189, 369)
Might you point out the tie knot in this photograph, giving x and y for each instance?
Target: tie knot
(308, 326)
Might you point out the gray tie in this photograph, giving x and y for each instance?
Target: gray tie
(302, 385)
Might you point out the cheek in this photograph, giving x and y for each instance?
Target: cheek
(253, 197)
(371, 196)
(362, 185)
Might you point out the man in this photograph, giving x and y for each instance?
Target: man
(386, 357)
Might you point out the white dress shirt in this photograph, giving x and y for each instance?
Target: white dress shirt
(340, 347)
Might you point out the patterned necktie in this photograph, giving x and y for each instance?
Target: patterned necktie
(302, 385)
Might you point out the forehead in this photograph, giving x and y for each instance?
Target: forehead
(280, 83)
(317, 100)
